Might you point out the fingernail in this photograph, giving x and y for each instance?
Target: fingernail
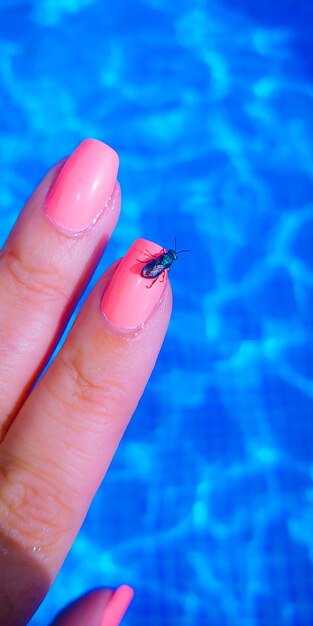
(130, 298)
(117, 606)
(85, 183)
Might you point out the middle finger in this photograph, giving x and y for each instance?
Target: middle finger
(47, 261)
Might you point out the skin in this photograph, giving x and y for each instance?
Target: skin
(58, 438)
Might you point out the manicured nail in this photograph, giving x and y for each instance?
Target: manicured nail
(87, 179)
(117, 606)
(130, 297)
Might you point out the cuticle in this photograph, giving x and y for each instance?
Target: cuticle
(129, 333)
(72, 234)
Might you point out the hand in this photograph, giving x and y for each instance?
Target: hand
(58, 437)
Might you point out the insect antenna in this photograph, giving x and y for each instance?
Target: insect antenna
(179, 251)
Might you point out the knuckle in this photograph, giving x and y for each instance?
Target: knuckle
(88, 389)
(32, 505)
(94, 386)
(31, 278)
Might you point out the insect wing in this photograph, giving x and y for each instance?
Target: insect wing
(152, 269)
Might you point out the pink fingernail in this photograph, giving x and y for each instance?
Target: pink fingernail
(117, 606)
(130, 298)
(83, 186)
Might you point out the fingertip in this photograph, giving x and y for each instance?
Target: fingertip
(117, 606)
(87, 610)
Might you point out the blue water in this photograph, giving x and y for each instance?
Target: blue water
(210, 106)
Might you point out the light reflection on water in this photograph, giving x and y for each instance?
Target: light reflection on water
(210, 108)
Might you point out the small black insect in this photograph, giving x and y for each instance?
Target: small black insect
(159, 264)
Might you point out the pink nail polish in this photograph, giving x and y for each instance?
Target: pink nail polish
(117, 606)
(130, 298)
(83, 186)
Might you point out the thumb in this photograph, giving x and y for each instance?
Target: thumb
(100, 607)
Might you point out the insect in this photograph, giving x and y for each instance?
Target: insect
(159, 264)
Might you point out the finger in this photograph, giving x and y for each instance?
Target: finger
(63, 439)
(101, 607)
(85, 611)
(47, 261)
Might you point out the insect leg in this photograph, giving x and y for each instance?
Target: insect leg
(154, 281)
(154, 256)
(164, 274)
(147, 253)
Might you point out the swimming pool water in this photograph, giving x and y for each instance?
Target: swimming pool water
(207, 509)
